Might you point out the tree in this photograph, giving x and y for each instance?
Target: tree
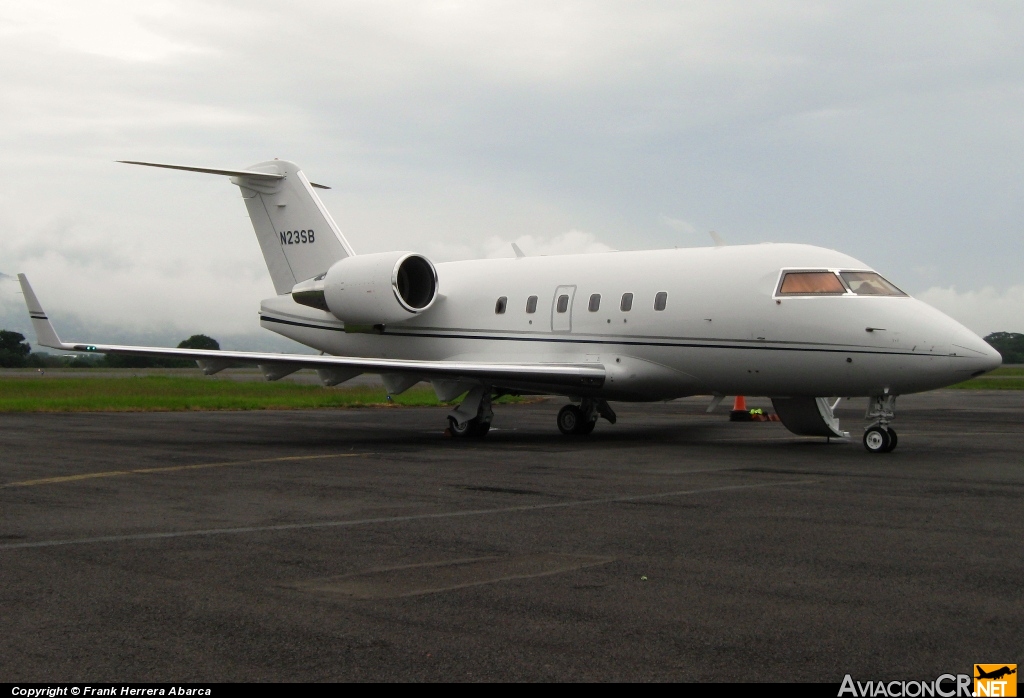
(13, 349)
(200, 341)
(196, 341)
(1009, 344)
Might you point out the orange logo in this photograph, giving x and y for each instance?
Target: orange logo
(995, 680)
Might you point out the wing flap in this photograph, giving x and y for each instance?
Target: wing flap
(555, 374)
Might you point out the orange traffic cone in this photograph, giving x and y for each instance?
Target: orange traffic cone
(739, 412)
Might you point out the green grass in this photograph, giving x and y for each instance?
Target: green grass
(1003, 378)
(986, 383)
(1007, 371)
(171, 393)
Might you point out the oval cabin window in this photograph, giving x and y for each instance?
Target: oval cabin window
(626, 304)
(499, 307)
(563, 303)
(661, 300)
(595, 303)
(531, 304)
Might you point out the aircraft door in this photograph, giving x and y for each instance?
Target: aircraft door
(561, 309)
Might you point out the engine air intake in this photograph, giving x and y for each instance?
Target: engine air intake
(415, 282)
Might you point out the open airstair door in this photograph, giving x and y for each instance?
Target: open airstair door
(809, 416)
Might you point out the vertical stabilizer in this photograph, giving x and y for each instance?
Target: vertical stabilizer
(298, 237)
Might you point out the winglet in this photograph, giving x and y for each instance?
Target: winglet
(45, 334)
(519, 253)
(719, 242)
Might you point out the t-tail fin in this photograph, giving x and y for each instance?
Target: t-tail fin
(298, 237)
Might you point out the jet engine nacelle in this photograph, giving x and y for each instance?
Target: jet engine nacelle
(372, 289)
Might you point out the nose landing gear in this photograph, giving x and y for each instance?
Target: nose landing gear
(879, 437)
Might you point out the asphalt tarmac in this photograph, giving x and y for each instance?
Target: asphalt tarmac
(363, 544)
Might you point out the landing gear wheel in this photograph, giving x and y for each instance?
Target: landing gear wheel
(473, 427)
(573, 422)
(876, 440)
(570, 418)
(892, 439)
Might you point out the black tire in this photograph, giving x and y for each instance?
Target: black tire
(570, 418)
(587, 428)
(472, 428)
(876, 440)
(893, 440)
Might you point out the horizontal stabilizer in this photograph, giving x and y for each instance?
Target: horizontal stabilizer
(297, 235)
(208, 170)
(212, 170)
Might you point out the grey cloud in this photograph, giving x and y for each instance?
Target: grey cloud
(889, 131)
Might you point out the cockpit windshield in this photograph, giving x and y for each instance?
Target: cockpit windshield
(868, 283)
(810, 283)
(835, 283)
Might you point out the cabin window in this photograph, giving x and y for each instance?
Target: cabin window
(868, 283)
(626, 304)
(660, 300)
(810, 283)
(499, 307)
(595, 303)
(531, 304)
(563, 303)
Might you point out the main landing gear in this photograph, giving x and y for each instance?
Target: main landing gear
(472, 418)
(879, 437)
(580, 420)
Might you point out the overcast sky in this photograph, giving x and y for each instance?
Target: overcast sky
(893, 132)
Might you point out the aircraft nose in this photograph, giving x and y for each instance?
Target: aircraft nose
(977, 351)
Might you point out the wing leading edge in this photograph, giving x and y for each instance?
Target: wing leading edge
(556, 376)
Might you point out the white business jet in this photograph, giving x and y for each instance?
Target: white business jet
(795, 323)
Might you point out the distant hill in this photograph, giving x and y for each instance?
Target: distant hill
(1009, 344)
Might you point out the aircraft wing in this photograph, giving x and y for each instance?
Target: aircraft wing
(556, 376)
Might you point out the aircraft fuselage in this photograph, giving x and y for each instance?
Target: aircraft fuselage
(723, 327)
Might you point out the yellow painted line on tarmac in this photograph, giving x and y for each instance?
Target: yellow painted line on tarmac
(171, 469)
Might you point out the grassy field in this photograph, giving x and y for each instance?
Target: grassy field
(173, 393)
(178, 393)
(1003, 378)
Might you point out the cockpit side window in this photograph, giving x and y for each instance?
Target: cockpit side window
(868, 283)
(811, 283)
